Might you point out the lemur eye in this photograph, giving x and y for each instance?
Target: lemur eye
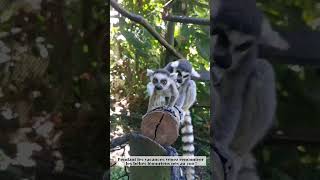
(155, 80)
(185, 76)
(179, 73)
(244, 46)
(163, 81)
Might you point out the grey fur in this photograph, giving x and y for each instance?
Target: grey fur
(162, 71)
(184, 65)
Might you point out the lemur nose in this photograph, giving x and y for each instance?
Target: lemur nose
(158, 87)
(179, 80)
(223, 61)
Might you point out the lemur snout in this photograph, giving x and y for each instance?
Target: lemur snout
(158, 87)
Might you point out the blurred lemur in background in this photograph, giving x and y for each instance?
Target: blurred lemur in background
(243, 101)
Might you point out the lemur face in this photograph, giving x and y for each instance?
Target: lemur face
(184, 71)
(182, 76)
(161, 79)
(230, 46)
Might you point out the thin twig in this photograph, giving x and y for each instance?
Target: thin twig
(118, 147)
(168, 5)
(113, 165)
(140, 20)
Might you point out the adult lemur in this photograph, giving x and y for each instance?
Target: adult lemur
(187, 97)
(243, 101)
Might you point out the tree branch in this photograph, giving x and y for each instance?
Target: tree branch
(187, 20)
(289, 136)
(120, 140)
(140, 20)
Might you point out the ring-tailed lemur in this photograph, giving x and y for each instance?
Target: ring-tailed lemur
(162, 89)
(187, 97)
(243, 101)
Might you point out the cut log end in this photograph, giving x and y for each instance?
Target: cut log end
(162, 126)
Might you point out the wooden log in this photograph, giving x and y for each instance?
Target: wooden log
(162, 125)
(144, 146)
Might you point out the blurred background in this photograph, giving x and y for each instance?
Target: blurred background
(53, 86)
(291, 150)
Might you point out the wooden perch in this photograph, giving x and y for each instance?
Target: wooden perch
(141, 145)
(162, 125)
(144, 146)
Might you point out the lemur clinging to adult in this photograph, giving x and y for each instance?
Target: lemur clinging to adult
(187, 97)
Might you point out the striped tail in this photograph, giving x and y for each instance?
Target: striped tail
(187, 143)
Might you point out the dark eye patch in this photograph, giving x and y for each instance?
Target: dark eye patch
(222, 38)
(155, 80)
(223, 41)
(244, 46)
(163, 81)
(179, 73)
(185, 76)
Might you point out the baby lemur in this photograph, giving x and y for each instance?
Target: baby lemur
(162, 89)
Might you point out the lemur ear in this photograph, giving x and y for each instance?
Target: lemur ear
(150, 72)
(194, 73)
(271, 37)
(174, 75)
(175, 64)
